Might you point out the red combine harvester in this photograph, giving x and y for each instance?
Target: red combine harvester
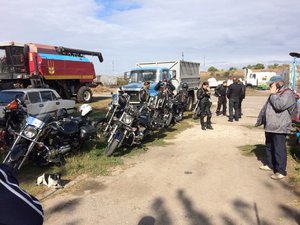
(64, 69)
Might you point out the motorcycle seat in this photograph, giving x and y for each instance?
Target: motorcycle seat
(68, 127)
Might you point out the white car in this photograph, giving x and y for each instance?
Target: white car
(38, 101)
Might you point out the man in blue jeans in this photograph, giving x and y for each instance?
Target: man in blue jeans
(276, 117)
(16, 206)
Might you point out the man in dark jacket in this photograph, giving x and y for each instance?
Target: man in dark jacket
(220, 92)
(276, 117)
(234, 93)
(16, 206)
(242, 97)
(203, 95)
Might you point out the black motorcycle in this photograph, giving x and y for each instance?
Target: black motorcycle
(14, 114)
(180, 104)
(123, 125)
(162, 104)
(46, 139)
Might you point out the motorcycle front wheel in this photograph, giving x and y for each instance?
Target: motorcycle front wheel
(111, 147)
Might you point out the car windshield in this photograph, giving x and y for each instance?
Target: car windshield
(140, 76)
(8, 96)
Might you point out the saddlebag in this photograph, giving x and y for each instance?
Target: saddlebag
(87, 132)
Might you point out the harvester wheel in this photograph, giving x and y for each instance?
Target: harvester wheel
(84, 94)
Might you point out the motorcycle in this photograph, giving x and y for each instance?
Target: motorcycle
(14, 114)
(46, 139)
(123, 126)
(162, 104)
(180, 104)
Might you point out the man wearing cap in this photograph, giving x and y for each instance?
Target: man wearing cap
(276, 118)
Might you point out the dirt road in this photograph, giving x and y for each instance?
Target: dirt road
(201, 178)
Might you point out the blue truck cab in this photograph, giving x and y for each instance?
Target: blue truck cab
(138, 76)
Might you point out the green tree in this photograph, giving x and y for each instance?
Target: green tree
(274, 66)
(212, 69)
(259, 66)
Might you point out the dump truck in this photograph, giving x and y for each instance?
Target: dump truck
(180, 71)
(66, 70)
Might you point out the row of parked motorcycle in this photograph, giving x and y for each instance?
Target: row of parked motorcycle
(47, 139)
(127, 124)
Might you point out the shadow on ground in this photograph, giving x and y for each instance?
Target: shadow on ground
(244, 213)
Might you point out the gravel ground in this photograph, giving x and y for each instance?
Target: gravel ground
(200, 178)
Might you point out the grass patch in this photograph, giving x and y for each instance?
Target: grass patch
(251, 126)
(253, 150)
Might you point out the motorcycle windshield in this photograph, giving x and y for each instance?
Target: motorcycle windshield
(34, 122)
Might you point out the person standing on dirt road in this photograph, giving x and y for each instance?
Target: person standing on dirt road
(203, 95)
(220, 92)
(234, 93)
(276, 118)
(242, 97)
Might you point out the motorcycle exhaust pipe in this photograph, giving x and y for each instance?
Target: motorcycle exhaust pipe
(64, 149)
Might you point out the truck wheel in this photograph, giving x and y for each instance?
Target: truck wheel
(84, 94)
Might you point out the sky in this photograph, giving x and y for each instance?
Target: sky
(219, 33)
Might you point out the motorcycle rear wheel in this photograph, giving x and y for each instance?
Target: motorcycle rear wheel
(169, 119)
(100, 127)
(196, 114)
(111, 147)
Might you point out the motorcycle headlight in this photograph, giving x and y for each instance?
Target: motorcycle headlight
(127, 119)
(30, 132)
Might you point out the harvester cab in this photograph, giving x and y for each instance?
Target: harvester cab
(12, 59)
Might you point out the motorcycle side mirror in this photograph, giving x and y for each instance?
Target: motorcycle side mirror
(121, 90)
(19, 98)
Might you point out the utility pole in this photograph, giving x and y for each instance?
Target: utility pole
(182, 55)
(204, 63)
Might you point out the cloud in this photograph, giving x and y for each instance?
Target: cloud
(130, 31)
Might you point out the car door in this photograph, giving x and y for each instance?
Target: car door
(49, 101)
(33, 103)
(63, 103)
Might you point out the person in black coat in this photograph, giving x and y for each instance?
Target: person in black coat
(242, 97)
(16, 206)
(234, 94)
(220, 92)
(203, 95)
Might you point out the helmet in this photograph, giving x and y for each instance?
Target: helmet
(185, 85)
(85, 109)
(122, 100)
(61, 113)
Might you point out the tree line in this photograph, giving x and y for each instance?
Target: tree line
(259, 66)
